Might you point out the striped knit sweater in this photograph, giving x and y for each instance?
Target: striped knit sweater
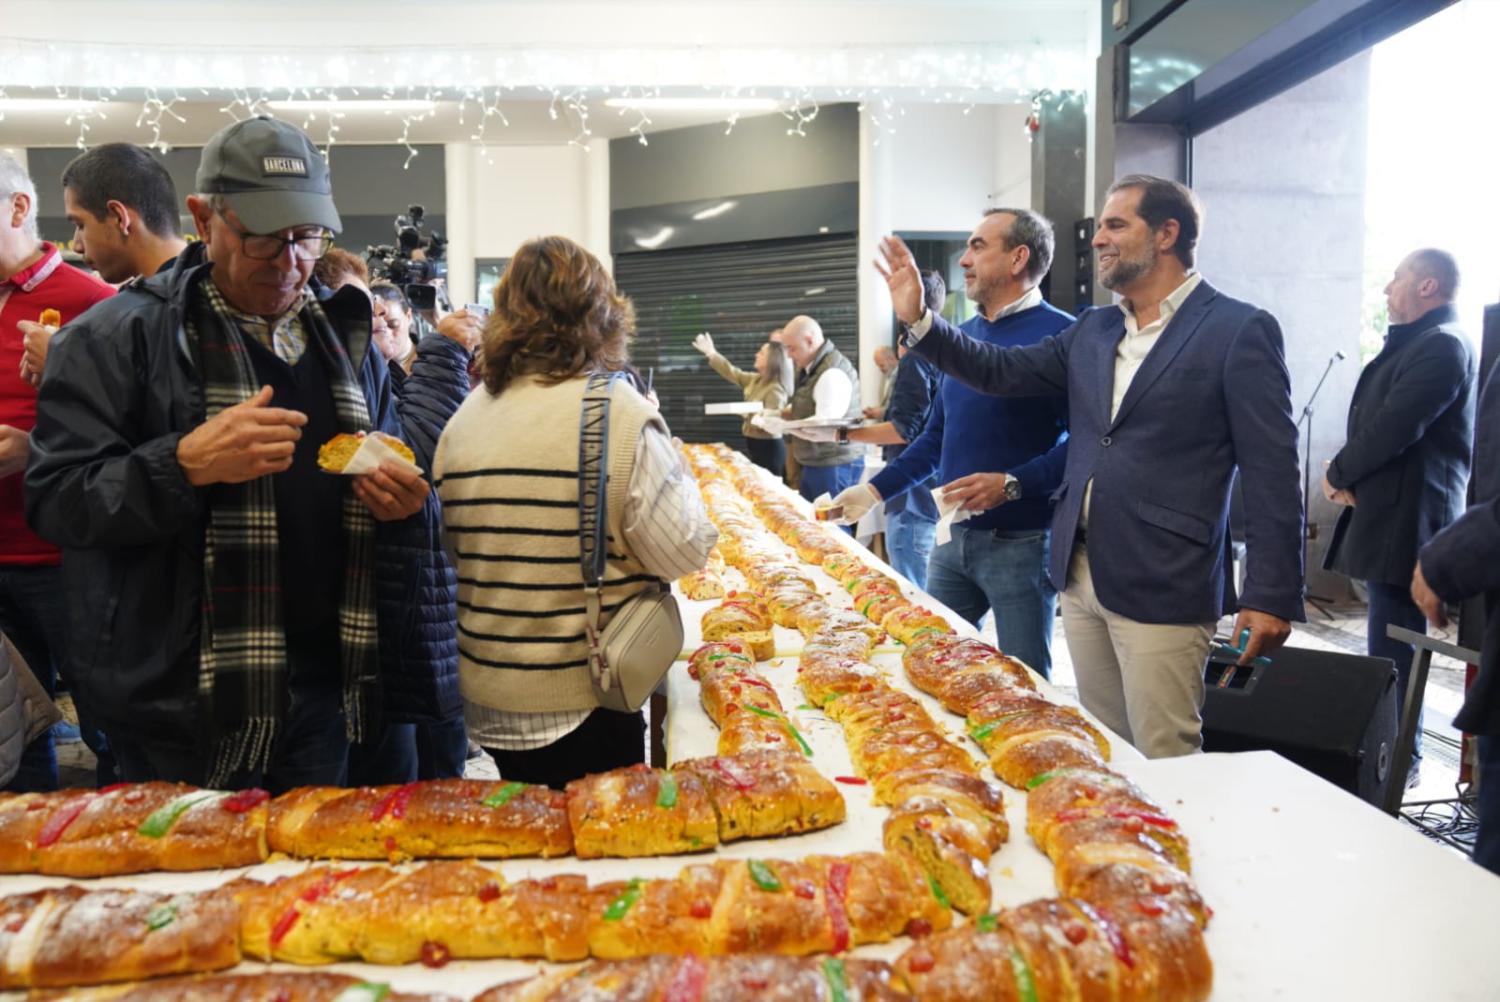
(507, 472)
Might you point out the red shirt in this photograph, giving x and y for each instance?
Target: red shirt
(48, 284)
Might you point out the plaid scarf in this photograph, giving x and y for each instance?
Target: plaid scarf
(242, 669)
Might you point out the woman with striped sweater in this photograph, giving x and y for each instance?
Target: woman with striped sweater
(507, 472)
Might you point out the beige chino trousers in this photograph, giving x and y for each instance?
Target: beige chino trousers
(1143, 680)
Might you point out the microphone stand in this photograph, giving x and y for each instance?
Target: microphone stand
(1309, 530)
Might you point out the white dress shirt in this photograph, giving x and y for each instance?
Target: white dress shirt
(831, 394)
(1132, 351)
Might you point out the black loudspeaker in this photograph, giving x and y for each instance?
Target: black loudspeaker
(1333, 714)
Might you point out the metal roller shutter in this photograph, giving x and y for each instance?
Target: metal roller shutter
(739, 293)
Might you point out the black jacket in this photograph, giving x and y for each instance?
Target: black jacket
(1464, 560)
(416, 588)
(1411, 432)
(103, 483)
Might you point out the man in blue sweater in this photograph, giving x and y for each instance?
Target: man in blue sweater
(1001, 457)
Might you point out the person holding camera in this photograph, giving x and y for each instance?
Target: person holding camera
(769, 385)
(507, 470)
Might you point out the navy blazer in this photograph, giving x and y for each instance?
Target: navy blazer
(1212, 396)
(1464, 560)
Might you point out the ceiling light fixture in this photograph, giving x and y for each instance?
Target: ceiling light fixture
(353, 105)
(44, 104)
(740, 104)
(656, 239)
(714, 210)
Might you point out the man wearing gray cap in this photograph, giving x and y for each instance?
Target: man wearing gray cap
(220, 586)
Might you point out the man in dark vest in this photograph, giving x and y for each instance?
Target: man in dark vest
(1403, 470)
(827, 387)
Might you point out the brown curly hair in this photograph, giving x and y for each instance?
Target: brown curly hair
(557, 315)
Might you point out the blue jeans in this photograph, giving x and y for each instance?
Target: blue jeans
(1487, 844)
(830, 480)
(1392, 604)
(909, 539)
(310, 749)
(392, 758)
(442, 750)
(980, 570)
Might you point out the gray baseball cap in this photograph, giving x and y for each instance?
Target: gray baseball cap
(271, 174)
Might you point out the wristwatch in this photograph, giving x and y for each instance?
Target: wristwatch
(841, 435)
(1012, 488)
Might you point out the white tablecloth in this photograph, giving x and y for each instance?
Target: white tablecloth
(1317, 895)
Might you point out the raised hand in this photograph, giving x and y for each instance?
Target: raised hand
(704, 342)
(899, 269)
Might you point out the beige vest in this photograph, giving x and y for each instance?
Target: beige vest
(507, 472)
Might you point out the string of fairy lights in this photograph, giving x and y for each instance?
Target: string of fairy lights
(88, 83)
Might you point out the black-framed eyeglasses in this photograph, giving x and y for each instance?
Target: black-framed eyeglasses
(268, 246)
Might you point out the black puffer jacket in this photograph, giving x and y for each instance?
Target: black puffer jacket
(103, 482)
(416, 587)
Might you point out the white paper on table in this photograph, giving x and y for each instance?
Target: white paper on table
(733, 407)
(949, 513)
(372, 452)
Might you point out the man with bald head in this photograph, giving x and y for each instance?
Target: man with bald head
(827, 386)
(1403, 469)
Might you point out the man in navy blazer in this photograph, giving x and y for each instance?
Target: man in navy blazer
(1168, 395)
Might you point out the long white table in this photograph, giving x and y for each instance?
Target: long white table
(1317, 895)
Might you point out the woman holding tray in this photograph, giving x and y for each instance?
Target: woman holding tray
(770, 385)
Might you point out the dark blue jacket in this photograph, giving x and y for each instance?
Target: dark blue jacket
(416, 587)
(913, 393)
(1464, 560)
(971, 432)
(103, 482)
(1411, 435)
(1212, 396)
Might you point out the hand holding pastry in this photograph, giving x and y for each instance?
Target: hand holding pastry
(34, 340)
(392, 493)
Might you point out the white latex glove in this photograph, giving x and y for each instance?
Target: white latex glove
(769, 421)
(856, 503)
(704, 342)
(815, 434)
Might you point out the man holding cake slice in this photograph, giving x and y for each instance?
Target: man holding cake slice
(222, 588)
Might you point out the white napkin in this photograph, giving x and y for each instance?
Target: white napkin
(371, 453)
(769, 422)
(948, 513)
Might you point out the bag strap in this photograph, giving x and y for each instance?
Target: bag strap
(593, 483)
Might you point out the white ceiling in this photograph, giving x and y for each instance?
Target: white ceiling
(213, 60)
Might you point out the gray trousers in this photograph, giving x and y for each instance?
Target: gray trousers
(1143, 680)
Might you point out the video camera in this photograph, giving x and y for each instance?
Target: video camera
(413, 262)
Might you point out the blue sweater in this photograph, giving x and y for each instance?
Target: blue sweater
(970, 432)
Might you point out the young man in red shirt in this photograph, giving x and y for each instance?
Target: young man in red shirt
(33, 278)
